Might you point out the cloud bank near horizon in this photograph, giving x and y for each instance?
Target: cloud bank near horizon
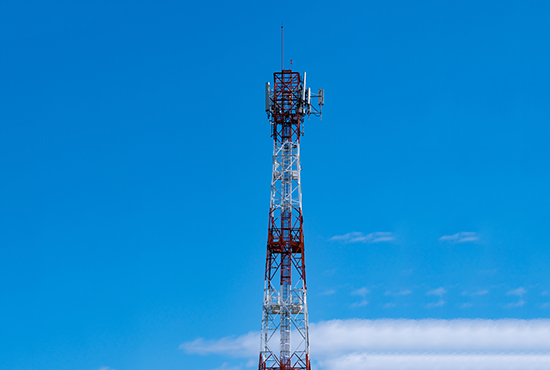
(409, 344)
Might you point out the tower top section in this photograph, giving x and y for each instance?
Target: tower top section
(288, 102)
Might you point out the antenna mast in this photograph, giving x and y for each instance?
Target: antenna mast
(282, 47)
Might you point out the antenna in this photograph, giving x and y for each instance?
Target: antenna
(267, 97)
(304, 89)
(281, 47)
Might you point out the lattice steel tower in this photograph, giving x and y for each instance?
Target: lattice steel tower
(285, 303)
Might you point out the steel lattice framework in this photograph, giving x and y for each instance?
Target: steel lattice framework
(285, 292)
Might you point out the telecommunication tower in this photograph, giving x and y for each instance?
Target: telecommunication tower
(285, 291)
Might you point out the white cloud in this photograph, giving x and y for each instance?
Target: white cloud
(438, 361)
(403, 292)
(430, 335)
(242, 346)
(480, 292)
(519, 292)
(358, 237)
(399, 293)
(461, 237)
(341, 337)
(476, 293)
(361, 291)
(328, 292)
(438, 292)
(439, 303)
(519, 303)
(363, 303)
(408, 345)
(428, 344)
(225, 366)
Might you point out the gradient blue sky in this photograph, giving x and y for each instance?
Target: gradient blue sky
(135, 158)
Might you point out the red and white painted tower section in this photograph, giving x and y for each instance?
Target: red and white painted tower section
(285, 294)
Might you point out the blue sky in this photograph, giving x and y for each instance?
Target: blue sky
(135, 157)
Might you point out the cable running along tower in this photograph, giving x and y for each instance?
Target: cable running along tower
(285, 303)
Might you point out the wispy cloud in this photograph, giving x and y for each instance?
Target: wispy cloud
(519, 303)
(242, 346)
(106, 368)
(410, 344)
(480, 292)
(225, 366)
(361, 291)
(399, 293)
(439, 303)
(461, 237)
(363, 303)
(358, 237)
(476, 293)
(328, 292)
(438, 292)
(519, 292)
